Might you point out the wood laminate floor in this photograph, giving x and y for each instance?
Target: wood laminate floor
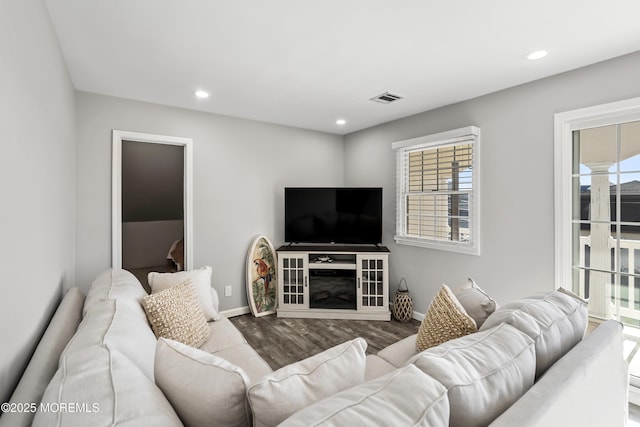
(281, 341)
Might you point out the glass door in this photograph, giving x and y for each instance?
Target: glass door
(606, 226)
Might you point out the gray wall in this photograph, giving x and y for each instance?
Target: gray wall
(37, 126)
(240, 170)
(517, 235)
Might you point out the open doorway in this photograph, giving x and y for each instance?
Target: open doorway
(151, 204)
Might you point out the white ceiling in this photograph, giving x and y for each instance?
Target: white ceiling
(307, 63)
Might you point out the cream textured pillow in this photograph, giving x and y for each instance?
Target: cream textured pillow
(284, 392)
(176, 314)
(201, 280)
(446, 319)
(205, 390)
(478, 304)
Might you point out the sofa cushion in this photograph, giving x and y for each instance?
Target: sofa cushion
(446, 319)
(105, 389)
(289, 389)
(106, 369)
(477, 303)
(175, 313)
(573, 295)
(246, 358)
(201, 280)
(120, 325)
(484, 373)
(204, 389)
(114, 284)
(555, 321)
(223, 334)
(381, 402)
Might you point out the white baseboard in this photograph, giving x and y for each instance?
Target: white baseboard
(236, 311)
(418, 316)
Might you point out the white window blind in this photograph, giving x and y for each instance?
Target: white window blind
(437, 191)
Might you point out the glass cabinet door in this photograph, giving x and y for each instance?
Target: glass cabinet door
(295, 280)
(372, 278)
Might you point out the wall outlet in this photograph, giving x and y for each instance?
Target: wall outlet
(228, 290)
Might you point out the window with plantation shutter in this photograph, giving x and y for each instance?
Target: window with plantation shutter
(437, 191)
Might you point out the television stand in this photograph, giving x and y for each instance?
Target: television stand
(334, 282)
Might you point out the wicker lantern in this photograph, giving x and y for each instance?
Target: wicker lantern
(402, 302)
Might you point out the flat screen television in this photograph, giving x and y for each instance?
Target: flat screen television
(333, 215)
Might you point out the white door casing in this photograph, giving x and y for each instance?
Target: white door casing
(116, 202)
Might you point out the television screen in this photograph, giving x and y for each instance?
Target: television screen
(333, 215)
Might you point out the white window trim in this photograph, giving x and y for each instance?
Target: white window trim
(442, 138)
(564, 125)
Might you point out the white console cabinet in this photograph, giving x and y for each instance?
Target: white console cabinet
(334, 282)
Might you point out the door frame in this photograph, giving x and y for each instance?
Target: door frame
(116, 201)
(564, 125)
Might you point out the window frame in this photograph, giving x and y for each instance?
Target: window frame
(469, 134)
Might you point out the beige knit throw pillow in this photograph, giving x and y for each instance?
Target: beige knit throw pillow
(446, 319)
(175, 313)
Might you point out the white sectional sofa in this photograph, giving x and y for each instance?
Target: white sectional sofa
(100, 363)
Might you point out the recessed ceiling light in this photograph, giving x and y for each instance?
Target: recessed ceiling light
(341, 122)
(201, 94)
(538, 54)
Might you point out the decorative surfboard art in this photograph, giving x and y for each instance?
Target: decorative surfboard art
(262, 282)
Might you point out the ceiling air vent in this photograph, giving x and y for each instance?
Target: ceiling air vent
(385, 98)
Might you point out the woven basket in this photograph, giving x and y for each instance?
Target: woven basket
(402, 303)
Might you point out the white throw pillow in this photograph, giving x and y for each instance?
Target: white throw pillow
(554, 320)
(201, 280)
(405, 397)
(484, 373)
(284, 392)
(204, 390)
(478, 304)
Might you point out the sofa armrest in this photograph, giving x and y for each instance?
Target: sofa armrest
(44, 362)
(377, 367)
(587, 386)
(399, 352)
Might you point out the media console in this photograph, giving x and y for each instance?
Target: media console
(334, 282)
